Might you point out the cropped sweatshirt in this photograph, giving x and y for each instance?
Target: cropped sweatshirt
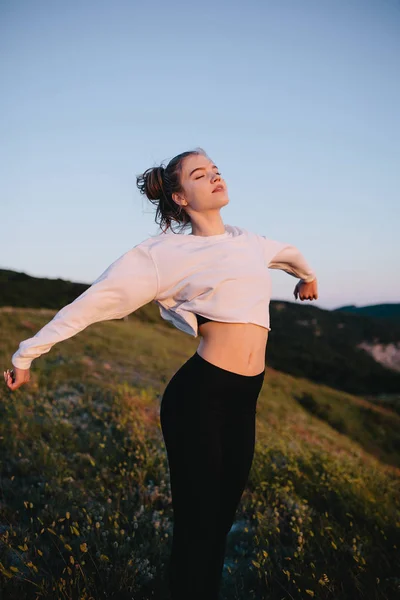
(223, 277)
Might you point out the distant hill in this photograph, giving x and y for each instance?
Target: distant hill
(382, 311)
(347, 351)
(345, 348)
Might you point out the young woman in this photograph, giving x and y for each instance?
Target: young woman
(213, 282)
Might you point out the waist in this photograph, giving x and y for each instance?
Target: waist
(238, 347)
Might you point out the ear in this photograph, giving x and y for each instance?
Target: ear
(177, 198)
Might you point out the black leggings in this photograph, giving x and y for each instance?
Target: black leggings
(207, 418)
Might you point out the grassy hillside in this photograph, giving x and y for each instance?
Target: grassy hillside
(85, 497)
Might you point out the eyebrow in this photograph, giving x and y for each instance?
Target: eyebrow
(214, 167)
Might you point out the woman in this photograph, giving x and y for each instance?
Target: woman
(208, 408)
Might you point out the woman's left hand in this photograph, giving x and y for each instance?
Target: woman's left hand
(306, 291)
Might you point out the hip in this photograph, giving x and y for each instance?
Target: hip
(201, 388)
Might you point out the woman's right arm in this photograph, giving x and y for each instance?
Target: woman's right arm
(128, 283)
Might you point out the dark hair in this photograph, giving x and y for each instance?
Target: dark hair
(159, 183)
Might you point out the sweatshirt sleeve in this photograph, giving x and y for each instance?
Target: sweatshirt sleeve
(280, 255)
(128, 283)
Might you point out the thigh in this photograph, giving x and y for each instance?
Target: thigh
(238, 451)
(238, 443)
(193, 439)
(239, 427)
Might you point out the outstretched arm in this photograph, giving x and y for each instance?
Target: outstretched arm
(280, 255)
(127, 284)
(291, 260)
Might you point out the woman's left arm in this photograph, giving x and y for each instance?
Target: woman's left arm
(288, 258)
(291, 260)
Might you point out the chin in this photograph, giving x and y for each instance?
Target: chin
(223, 200)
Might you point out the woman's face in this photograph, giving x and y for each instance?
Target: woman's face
(199, 178)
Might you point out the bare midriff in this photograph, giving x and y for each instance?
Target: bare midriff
(237, 347)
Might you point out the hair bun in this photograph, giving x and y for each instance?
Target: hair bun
(151, 183)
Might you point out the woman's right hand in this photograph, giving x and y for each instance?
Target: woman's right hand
(15, 377)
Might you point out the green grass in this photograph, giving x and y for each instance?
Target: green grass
(85, 506)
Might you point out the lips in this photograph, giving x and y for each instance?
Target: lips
(219, 188)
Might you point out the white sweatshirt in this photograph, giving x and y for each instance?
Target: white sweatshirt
(224, 277)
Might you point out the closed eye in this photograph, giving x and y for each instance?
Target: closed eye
(203, 175)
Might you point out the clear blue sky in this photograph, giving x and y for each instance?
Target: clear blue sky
(297, 102)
